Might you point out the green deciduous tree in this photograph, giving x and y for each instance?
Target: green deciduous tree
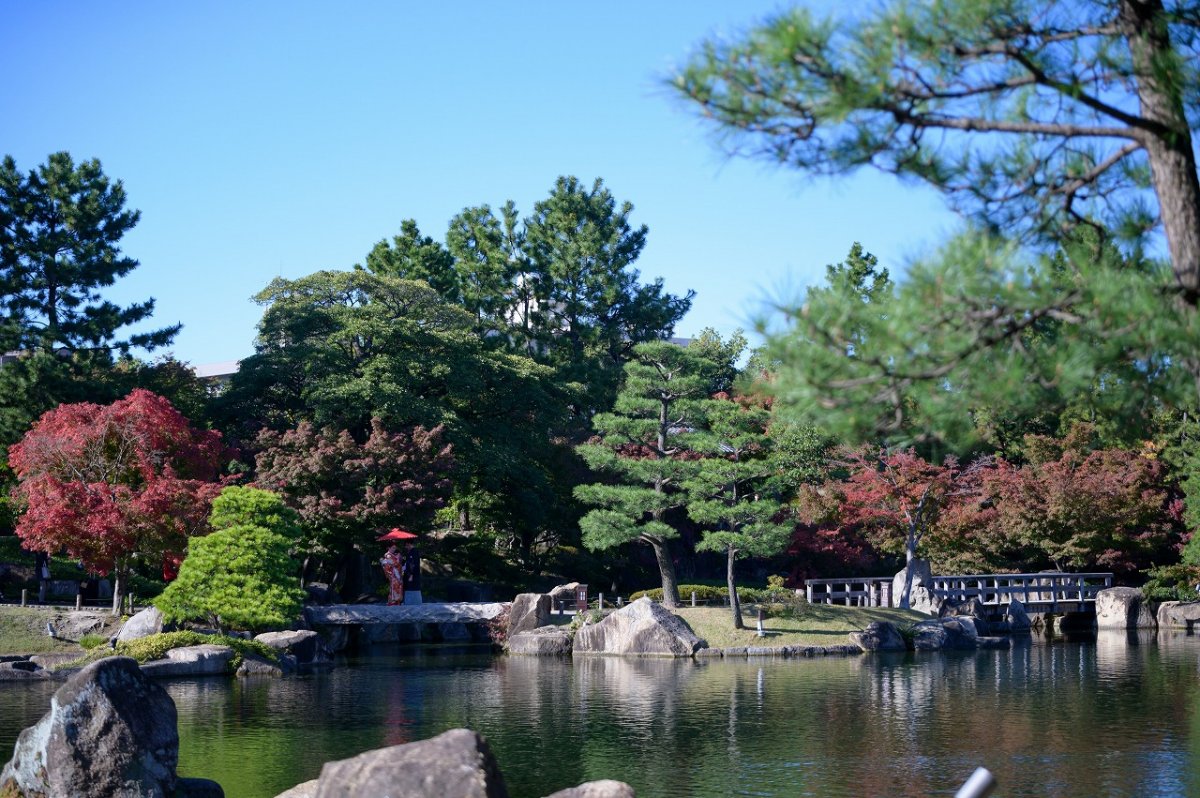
(645, 444)
(241, 575)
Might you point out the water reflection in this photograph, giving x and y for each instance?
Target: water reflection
(1115, 716)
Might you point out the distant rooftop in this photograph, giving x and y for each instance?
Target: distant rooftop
(225, 368)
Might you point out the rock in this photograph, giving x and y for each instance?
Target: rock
(993, 642)
(455, 764)
(945, 633)
(52, 661)
(147, 622)
(320, 594)
(543, 641)
(1123, 608)
(922, 597)
(879, 636)
(529, 611)
(1178, 614)
(563, 594)
(253, 665)
(709, 653)
(641, 628)
(73, 625)
(970, 608)
(21, 671)
(306, 790)
(110, 731)
(596, 789)
(203, 660)
(1015, 616)
(306, 647)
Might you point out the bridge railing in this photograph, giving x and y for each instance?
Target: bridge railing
(873, 591)
(1039, 588)
(991, 589)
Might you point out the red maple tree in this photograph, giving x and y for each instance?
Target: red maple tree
(108, 483)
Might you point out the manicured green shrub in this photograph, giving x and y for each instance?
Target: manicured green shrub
(90, 641)
(240, 576)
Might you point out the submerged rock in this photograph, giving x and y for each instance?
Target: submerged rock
(641, 628)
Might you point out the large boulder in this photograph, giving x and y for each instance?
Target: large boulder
(1178, 614)
(529, 611)
(110, 732)
(641, 628)
(543, 641)
(1016, 617)
(206, 659)
(879, 636)
(921, 597)
(946, 633)
(145, 623)
(604, 788)
(455, 764)
(306, 647)
(560, 594)
(1123, 608)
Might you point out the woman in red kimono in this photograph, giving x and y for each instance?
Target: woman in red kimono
(393, 569)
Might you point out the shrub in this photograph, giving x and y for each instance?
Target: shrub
(90, 641)
(1172, 583)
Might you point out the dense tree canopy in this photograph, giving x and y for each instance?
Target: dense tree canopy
(1067, 125)
(110, 483)
(347, 492)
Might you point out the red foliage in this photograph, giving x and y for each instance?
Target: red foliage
(344, 490)
(1107, 509)
(105, 482)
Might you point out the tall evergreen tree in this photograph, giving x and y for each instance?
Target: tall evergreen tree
(60, 230)
(645, 444)
(728, 492)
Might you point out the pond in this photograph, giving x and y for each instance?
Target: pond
(1114, 715)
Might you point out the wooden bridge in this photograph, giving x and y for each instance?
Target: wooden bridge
(1042, 592)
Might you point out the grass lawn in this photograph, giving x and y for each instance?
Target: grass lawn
(807, 625)
(23, 630)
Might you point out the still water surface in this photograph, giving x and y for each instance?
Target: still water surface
(1114, 716)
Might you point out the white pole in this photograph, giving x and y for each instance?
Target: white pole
(980, 785)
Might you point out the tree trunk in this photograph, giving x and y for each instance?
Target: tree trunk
(1169, 145)
(666, 569)
(735, 603)
(118, 588)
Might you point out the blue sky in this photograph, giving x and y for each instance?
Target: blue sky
(278, 138)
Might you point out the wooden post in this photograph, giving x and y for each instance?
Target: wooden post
(693, 598)
(78, 601)
(600, 600)
(761, 633)
(24, 596)
(809, 592)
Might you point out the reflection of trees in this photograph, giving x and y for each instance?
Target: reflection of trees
(1052, 719)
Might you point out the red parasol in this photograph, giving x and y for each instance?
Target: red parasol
(397, 534)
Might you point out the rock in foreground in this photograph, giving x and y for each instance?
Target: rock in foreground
(641, 628)
(110, 732)
(455, 763)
